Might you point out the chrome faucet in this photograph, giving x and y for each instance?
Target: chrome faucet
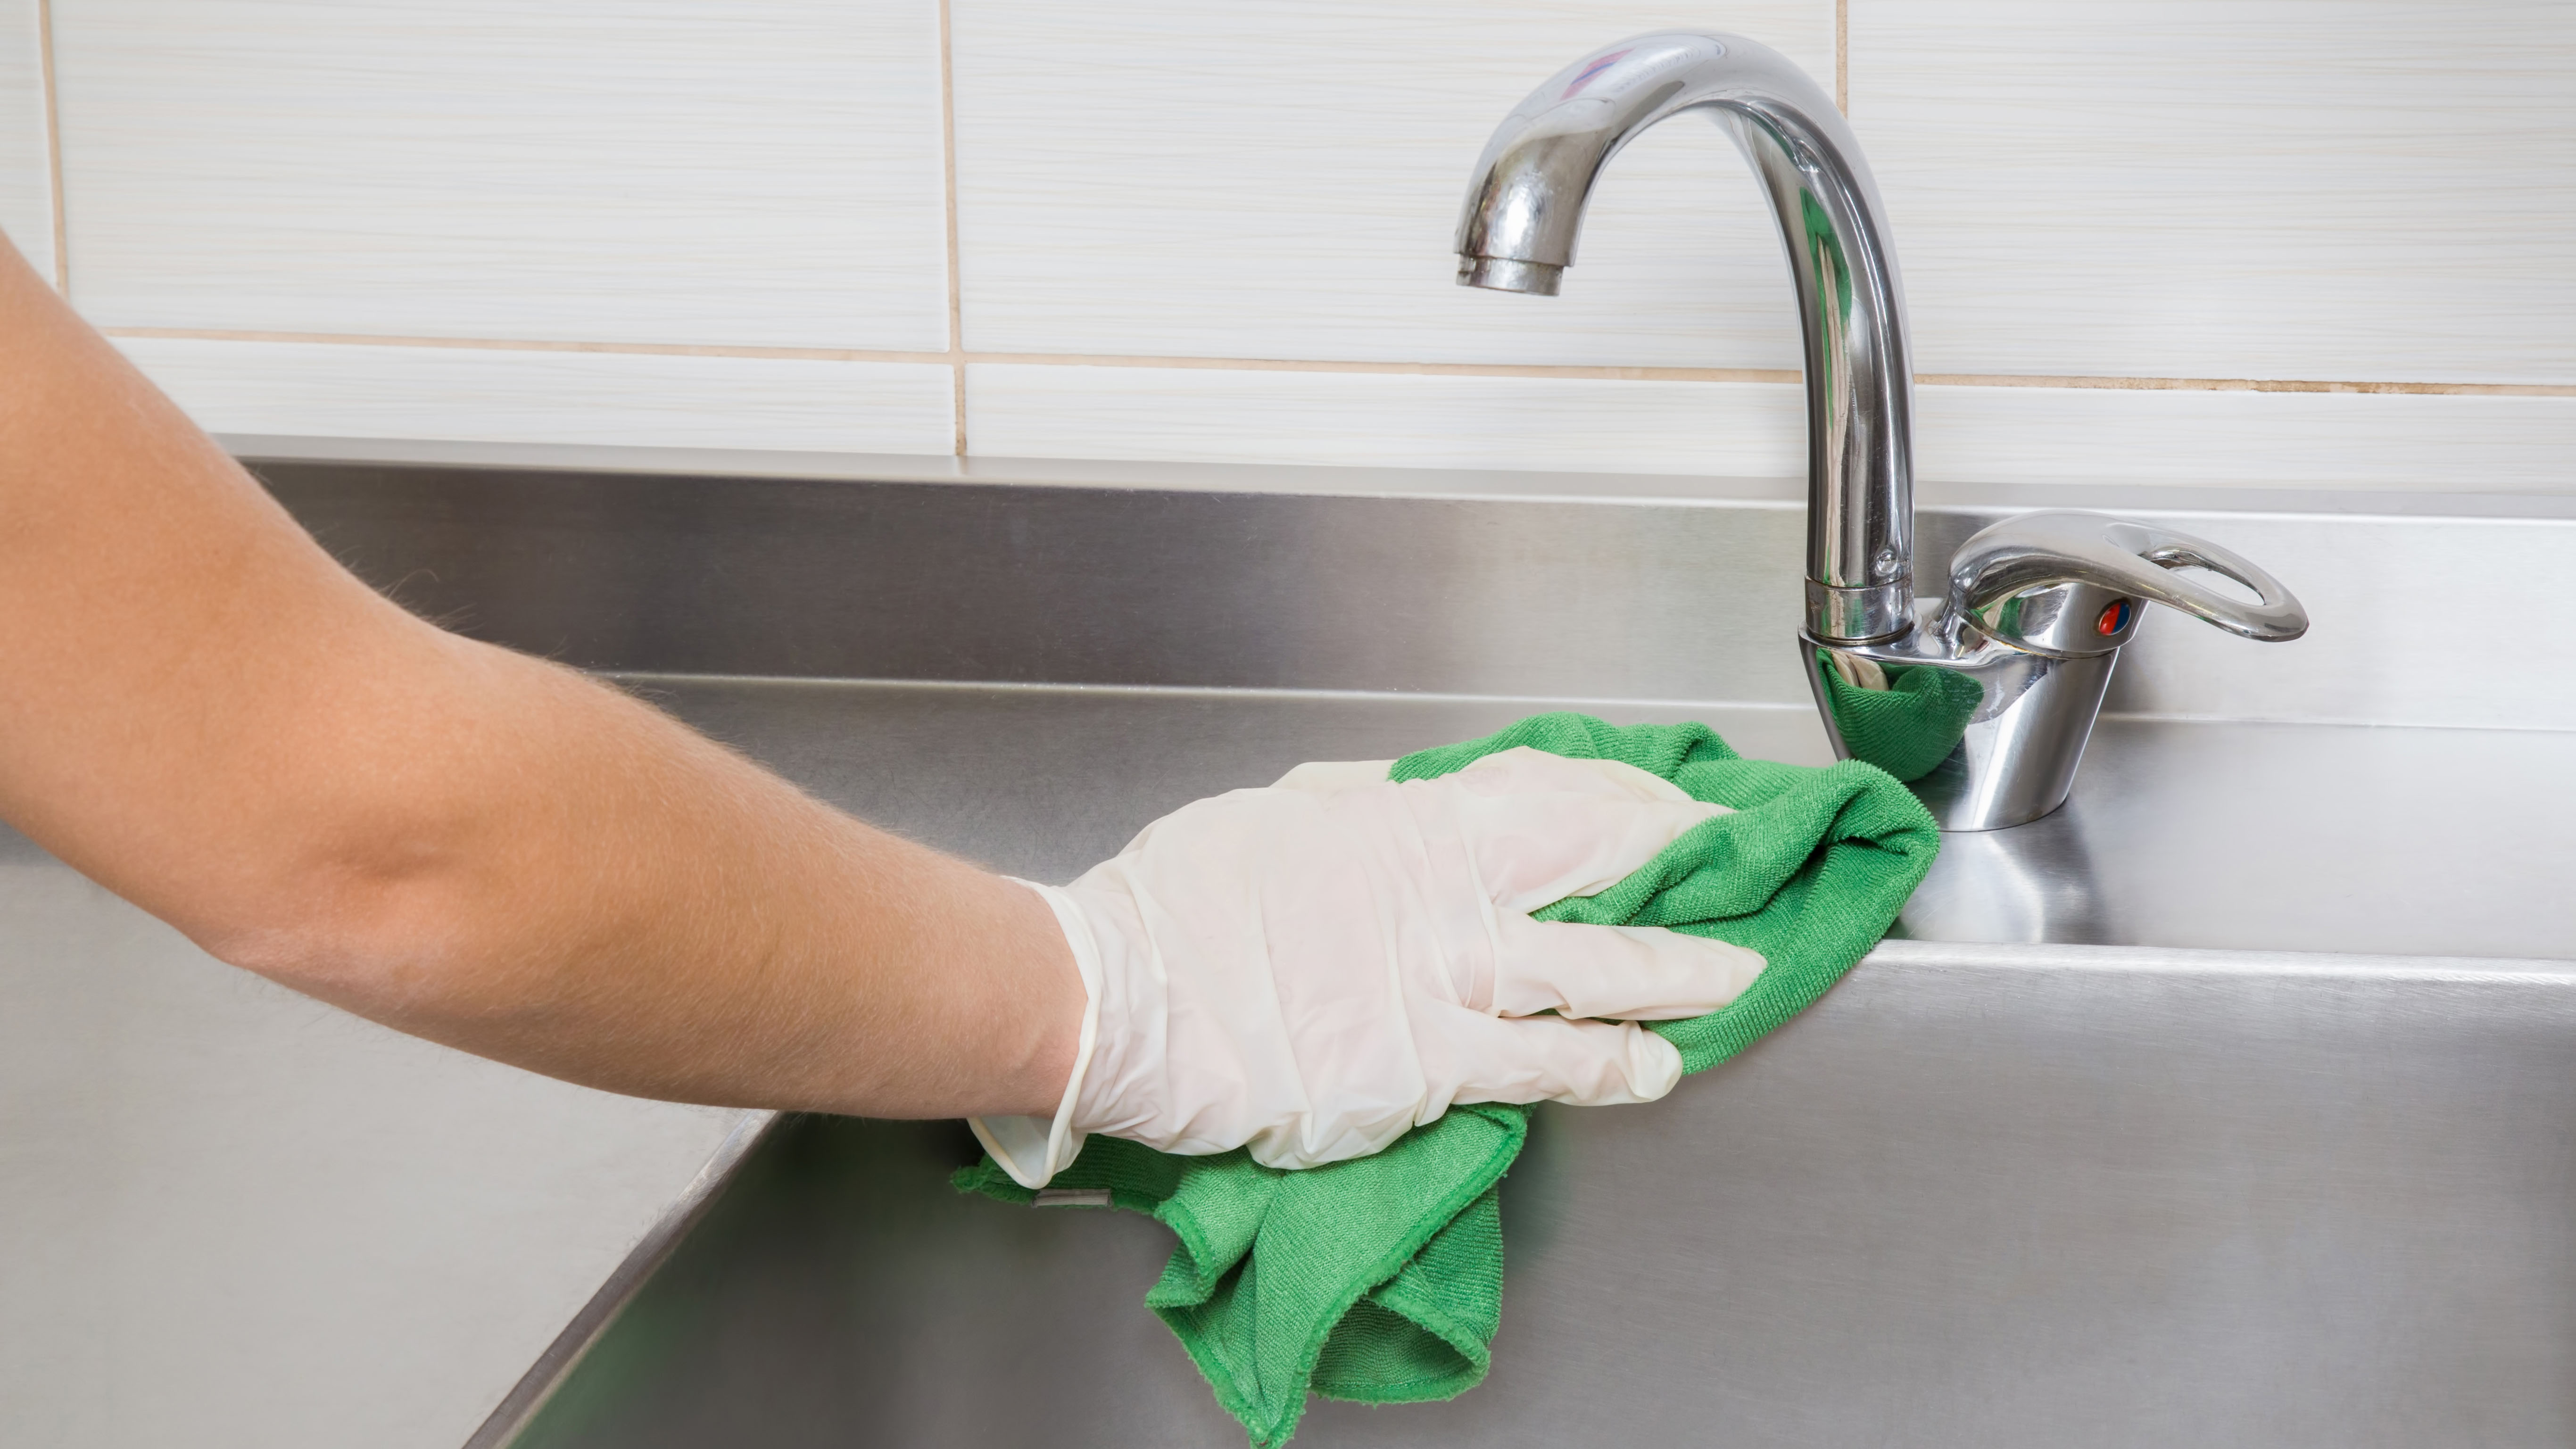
(1981, 698)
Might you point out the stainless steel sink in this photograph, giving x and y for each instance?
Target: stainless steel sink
(2230, 1105)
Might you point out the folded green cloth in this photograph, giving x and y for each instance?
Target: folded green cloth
(1380, 1279)
(1908, 728)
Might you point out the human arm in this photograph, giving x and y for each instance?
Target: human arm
(208, 715)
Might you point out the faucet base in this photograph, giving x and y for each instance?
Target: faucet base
(1984, 703)
(1986, 735)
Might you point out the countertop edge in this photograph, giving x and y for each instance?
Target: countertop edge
(565, 1352)
(2210, 961)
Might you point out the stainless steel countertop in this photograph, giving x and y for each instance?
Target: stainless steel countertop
(1980, 1195)
(1564, 597)
(1975, 1198)
(269, 1223)
(2028, 1178)
(233, 1218)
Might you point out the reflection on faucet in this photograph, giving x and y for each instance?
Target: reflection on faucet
(1984, 697)
(1907, 720)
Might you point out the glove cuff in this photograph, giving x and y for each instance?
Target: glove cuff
(1033, 1149)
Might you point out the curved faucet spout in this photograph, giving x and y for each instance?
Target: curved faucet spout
(1526, 205)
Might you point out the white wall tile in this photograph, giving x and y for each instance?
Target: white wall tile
(2442, 442)
(1281, 179)
(760, 172)
(26, 161)
(623, 399)
(1400, 420)
(1965, 435)
(2367, 189)
(2176, 188)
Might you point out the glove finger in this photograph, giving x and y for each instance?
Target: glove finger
(1636, 973)
(1540, 827)
(1588, 1063)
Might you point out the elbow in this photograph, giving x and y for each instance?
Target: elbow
(380, 929)
(318, 953)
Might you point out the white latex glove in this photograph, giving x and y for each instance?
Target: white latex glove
(1316, 967)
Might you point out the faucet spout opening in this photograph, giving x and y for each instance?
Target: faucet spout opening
(1505, 274)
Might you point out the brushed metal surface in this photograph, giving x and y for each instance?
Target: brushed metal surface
(1980, 1195)
(2076, 1163)
(1971, 1198)
(562, 1356)
(1200, 578)
(1984, 1194)
(1112, 586)
(232, 1217)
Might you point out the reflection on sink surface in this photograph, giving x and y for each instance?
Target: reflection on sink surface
(2281, 837)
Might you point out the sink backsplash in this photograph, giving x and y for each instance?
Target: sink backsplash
(2259, 242)
(1215, 577)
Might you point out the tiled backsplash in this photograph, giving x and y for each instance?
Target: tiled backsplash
(2182, 241)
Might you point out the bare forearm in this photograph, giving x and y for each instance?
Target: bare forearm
(611, 898)
(209, 716)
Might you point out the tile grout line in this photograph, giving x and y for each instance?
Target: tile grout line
(948, 175)
(1393, 369)
(54, 146)
(2250, 384)
(1842, 57)
(536, 344)
(959, 358)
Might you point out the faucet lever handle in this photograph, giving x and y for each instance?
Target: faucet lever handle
(2104, 560)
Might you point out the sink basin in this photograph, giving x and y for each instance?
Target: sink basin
(2227, 1106)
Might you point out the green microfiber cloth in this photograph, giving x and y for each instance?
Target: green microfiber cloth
(1380, 1279)
(1908, 728)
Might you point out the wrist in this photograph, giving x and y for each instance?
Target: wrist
(1034, 1146)
(1044, 1003)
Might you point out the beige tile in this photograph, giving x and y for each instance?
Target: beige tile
(765, 172)
(2229, 188)
(490, 395)
(26, 164)
(1964, 435)
(1381, 420)
(1282, 179)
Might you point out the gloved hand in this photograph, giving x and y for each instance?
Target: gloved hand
(1316, 967)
